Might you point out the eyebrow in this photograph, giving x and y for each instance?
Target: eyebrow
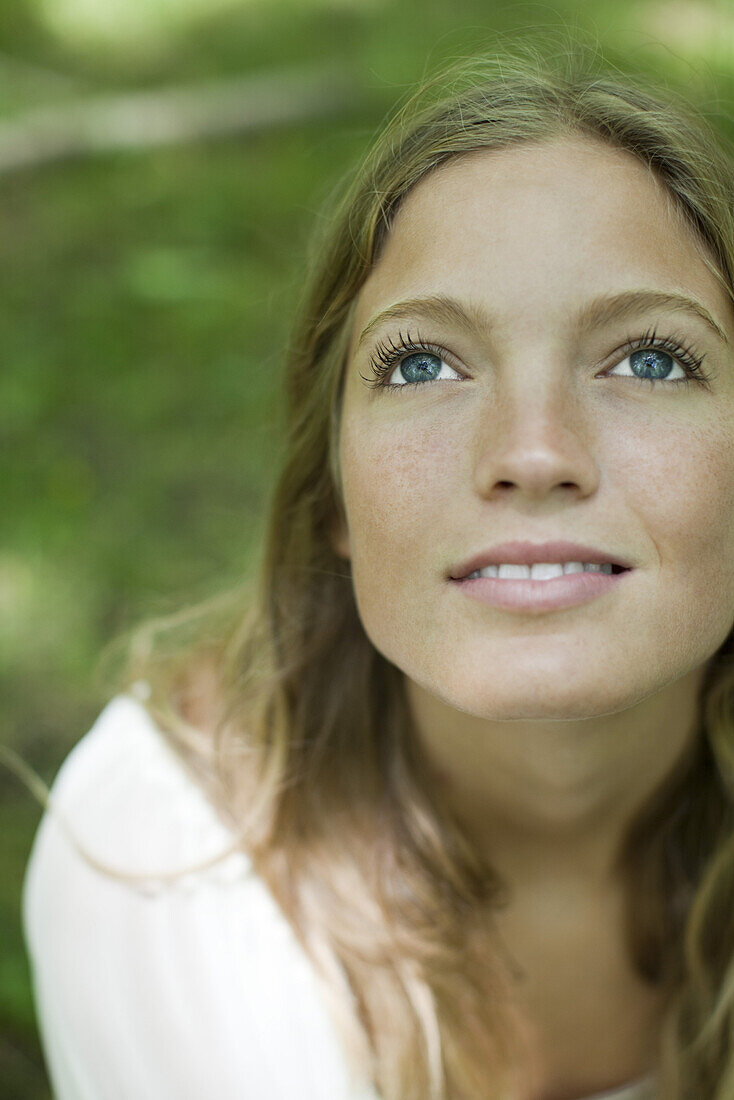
(605, 309)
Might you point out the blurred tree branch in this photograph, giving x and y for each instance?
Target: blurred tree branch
(137, 120)
(38, 75)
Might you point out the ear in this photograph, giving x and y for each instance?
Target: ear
(339, 538)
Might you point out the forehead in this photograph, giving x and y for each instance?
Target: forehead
(545, 224)
(555, 184)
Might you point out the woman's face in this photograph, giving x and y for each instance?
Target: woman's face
(518, 431)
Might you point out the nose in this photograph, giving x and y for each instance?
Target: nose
(536, 444)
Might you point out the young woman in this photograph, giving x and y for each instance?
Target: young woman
(456, 769)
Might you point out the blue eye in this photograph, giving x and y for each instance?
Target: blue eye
(651, 359)
(651, 364)
(422, 366)
(420, 362)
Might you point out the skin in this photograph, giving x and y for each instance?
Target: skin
(547, 732)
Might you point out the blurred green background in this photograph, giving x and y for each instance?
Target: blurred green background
(162, 163)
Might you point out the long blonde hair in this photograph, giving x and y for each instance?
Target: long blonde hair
(299, 730)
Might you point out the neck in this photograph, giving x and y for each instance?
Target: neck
(548, 802)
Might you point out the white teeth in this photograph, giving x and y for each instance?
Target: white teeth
(545, 570)
(541, 570)
(514, 571)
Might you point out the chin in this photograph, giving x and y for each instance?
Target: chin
(539, 699)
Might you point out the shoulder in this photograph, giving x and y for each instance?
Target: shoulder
(192, 989)
(124, 795)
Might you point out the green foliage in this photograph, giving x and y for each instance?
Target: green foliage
(144, 305)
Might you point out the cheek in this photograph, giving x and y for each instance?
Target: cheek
(398, 486)
(684, 492)
(680, 487)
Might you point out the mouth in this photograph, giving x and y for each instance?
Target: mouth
(533, 595)
(608, 568)
(517, 557)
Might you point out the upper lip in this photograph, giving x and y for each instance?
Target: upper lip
(529, 553)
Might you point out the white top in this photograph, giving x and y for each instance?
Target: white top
(200, 989)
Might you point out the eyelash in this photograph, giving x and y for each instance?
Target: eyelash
(386, 356)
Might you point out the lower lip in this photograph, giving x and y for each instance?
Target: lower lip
(530, 595)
